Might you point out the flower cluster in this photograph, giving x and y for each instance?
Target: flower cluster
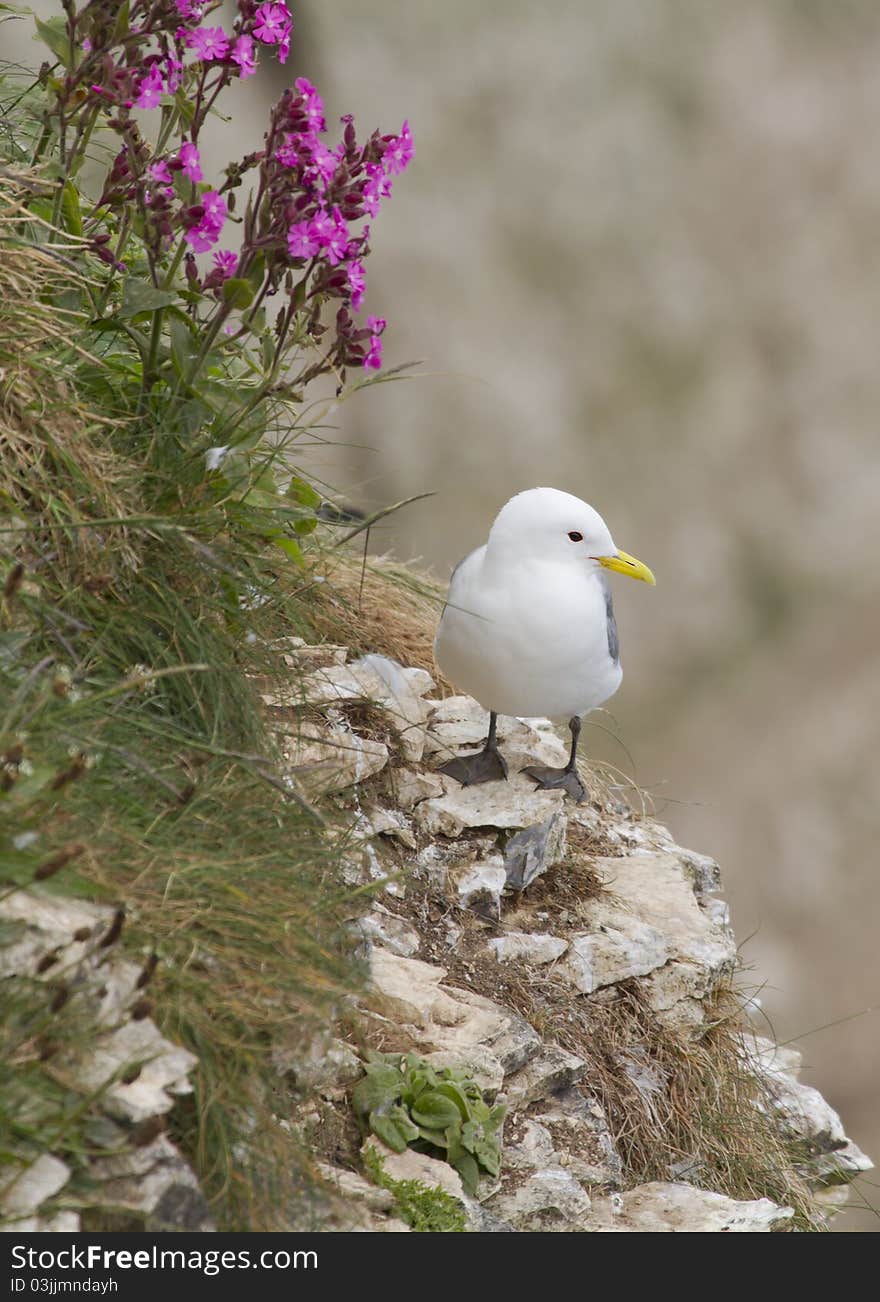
(307, 225)
(316, 194)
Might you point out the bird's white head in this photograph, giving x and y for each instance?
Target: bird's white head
(545, 523)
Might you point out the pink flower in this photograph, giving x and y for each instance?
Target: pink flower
(400, 150)
(373, 359)
(226, 262)
(215, 207)
(301, 242)
(325, 162)
(208, 43)
(150, 89)
(159, 171)
(189, 157)
(205, 230)
(377, 324)
(188, 8)
(321, 228)
(357, 282)
(378, 186)
(331, 234)
(313, 106)
(272, 24)
(243, 54)
(288, 154)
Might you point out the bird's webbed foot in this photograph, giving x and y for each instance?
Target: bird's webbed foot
(549, 779)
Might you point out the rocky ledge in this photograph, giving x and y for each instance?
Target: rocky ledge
(570, 960)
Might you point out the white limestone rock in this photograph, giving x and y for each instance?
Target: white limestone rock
(460, 722)
(24, 1188)
(648, 917)
(660, 1208)
(513, 804)
(529, 947)
(479, 886)
(831, 1158)
(332, 758)
(581, 1137)
(451, 1027)
(410, 1165)
(409, 787)
(164, 1074)
(384, 928)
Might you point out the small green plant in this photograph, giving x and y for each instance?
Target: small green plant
(405, 1102)
(425, 1210)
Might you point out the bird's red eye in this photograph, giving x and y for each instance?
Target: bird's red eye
(575, 536)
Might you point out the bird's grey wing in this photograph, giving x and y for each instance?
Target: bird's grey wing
(611, 622)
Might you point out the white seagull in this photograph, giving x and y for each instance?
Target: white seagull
(528, 628)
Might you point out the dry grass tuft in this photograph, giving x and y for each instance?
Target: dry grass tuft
(384, 608)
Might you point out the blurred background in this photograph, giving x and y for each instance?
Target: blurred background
(639, 253)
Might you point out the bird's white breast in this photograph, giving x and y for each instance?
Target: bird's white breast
(528, 639)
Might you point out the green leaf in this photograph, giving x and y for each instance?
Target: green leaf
(436, 1137)
(256, 272)
(53, 33)
(138, 297)
(120, 30)
(183, 345)
(303, 492)
(70, 209)
(435, 1110)
(464, 1164)
(290, 548)
(488, 1153)
(238, 293)
(452, 1090)
(394, 1128)
(381, 1085)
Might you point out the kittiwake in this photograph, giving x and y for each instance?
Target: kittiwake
(528, 628)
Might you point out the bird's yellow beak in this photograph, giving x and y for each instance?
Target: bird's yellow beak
(625, 564)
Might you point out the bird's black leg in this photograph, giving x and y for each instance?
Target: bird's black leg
(487, 765)
(568, 778)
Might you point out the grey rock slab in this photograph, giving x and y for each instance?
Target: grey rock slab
(581, 1137)
(661, 1208)
(411, 1165)
(384, 928)
(550, 1200)
(532, 851)
(157, 1184)
(551, 1069)
(164, 1074)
